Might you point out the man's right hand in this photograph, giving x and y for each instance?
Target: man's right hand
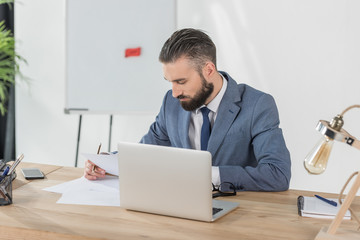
(93, 172)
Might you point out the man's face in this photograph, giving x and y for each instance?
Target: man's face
(190, 87)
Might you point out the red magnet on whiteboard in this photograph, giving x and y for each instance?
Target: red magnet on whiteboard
(132, 52)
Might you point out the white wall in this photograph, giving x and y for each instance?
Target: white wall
(305, 53)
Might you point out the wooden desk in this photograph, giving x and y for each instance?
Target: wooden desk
(261, 215)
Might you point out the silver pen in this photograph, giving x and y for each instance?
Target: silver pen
(14, 165)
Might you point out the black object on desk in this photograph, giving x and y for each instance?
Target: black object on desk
(6, 185)
(32, 173)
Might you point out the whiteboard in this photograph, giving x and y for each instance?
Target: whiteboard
(99, 77)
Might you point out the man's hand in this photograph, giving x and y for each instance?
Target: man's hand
(93, 172)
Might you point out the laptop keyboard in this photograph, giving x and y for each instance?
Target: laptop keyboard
(216, 210)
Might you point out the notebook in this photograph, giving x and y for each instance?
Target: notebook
(168, 181)
(315, 208)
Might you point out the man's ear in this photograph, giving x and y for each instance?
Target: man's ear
(209, 69)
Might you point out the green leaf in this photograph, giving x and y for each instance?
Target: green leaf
(9, 61)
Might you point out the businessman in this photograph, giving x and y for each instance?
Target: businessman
(207, 110)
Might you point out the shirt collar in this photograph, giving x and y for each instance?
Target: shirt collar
(215, 103)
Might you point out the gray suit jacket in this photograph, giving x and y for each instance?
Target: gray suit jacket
(246, 141)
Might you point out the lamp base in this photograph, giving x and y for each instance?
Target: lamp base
(340, 234)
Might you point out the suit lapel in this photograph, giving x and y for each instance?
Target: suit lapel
(228, 111)
(183, 123)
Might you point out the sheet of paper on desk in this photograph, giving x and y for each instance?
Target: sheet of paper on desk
(85, 197)
(102, 192)
(107, 162)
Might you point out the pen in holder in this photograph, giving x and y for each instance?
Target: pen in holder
(6, 186)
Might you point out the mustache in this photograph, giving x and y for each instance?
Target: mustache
(182, 96)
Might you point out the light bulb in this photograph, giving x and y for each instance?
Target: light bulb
(316, 161)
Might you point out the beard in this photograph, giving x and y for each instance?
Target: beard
(200, 97)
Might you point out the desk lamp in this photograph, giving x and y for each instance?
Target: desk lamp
(315, 163)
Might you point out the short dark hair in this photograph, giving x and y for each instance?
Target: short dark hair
(193, 44)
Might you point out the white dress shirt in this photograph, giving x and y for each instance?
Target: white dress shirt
(196, 121)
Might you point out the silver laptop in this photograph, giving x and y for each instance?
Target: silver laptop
(168, 181)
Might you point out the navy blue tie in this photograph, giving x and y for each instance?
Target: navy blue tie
(205, 129)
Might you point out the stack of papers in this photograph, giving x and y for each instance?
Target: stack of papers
(102, 192)
(316, 208)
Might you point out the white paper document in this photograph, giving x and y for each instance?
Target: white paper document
(107, 162)
(101, 192)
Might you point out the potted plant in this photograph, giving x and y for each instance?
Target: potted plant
(9, 61)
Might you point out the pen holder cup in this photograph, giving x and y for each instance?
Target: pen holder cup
(6, 190)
